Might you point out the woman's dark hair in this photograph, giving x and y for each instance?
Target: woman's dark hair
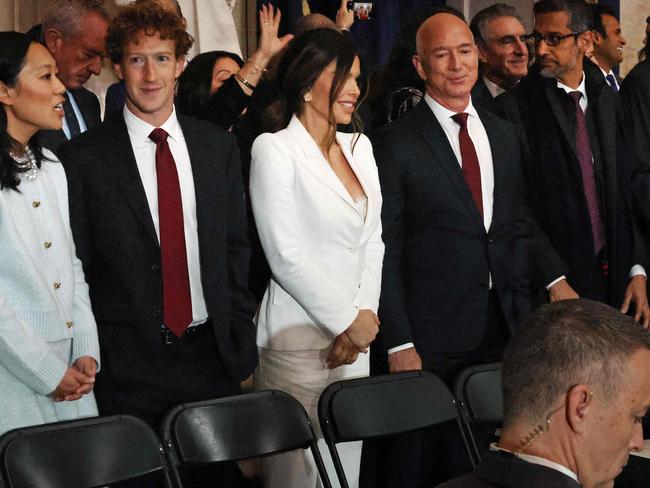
(13, 50)
(193, 89)
(301, 64)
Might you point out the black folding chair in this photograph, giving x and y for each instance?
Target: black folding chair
(238, 427)
(83, 453)
(479, 391)
(380, 406)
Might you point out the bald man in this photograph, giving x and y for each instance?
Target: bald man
(455, 279)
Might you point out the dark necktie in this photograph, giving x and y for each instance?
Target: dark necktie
(177, 300)
(471, 168)
(70, 117)
(583, 147)
(612, 82)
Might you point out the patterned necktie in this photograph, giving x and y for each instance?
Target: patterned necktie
(471, 168)
(583, 148)
(70, 117)
(612, 82)
(177, 300)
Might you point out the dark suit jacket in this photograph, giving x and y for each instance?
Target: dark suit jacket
(504, 470)
(117, 243)
(544, 115)
(88, 106)
(438, 255)
(481, 96)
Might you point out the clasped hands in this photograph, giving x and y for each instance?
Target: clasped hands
(355, 339)
(78, 380)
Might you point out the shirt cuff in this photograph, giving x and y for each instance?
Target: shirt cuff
(637, 270)
(408, 345)
(548, 287)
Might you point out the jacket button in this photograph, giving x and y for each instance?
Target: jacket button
(490, 240)
(69, 324)
(47, 244)
(56, 285)
(155, 267)
(156, 313)
(36, 204)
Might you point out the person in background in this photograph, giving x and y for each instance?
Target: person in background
(49, 352)
(575, 389)
(74, 32)
(502, 53)
(608, 43)
(316, 199)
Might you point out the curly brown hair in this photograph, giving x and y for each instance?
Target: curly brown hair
(148, 16)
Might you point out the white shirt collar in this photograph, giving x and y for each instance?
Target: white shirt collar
(494, 89)
(444, 114)
(581, 87)
(540, 461)
(140, 130)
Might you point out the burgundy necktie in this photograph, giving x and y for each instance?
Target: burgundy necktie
(583, 148)
(471, 168)
(177, 300)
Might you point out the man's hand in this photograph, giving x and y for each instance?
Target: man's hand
(562, 291)
(404, 360)
(343, 352)
(636, 293)
(363, 329)
(72, 385)
(344, 16)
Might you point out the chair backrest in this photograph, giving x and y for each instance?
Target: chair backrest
(238, 427)
(380, 406)
(479, 390)
(80, 453)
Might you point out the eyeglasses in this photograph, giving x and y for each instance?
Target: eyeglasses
(553, 39)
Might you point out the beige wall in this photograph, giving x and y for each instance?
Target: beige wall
(633, 15)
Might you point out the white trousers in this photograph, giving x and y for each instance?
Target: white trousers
(304, 375)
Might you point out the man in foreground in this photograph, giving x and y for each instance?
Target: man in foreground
(575, 388)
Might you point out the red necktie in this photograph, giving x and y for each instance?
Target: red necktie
(177, 300)
(583, 148)
(471, 168)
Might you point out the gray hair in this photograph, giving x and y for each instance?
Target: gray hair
(578, 10)
(564, 344)
(482, 18)
(67, 15)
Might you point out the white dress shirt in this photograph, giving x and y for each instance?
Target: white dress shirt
(144, 150)
(481, 142)
(540, 461)
(494, 89)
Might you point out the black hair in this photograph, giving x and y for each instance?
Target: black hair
(13, 51)
(193, 89)
(578, 10)
(598, 10)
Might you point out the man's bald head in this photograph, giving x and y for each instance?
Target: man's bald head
(447, 59)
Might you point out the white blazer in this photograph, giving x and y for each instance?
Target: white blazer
(326, 259)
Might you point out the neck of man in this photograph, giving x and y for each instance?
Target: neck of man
(505, 83)
(573, 77)
(602, 63)
(455, 104)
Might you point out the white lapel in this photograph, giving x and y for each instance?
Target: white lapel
(346, 146)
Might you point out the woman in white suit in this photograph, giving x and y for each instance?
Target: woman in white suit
(49, 350)
(316, 201)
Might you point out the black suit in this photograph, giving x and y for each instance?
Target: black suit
(504, 470)
(481, 96)
(437, 268)
(545, 118)
(117, 243)
(88, 106)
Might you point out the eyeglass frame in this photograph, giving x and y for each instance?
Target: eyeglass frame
(535, 38)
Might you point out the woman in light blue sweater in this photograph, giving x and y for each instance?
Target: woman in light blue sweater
(49, 351)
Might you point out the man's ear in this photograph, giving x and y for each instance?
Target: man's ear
(579, 403)
(180, 64)
(482, 58)
(586, 42)
(597, 37)
(53, 40)
(417, 63)
(5, 94)
(118, 71)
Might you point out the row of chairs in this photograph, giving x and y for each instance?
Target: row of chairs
(105, 450)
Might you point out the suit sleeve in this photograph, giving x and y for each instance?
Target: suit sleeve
(272, 198)
(395, 327)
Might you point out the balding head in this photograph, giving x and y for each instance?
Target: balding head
(447, 60)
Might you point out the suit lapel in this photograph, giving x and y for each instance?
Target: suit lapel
(552, 95)
(121, 162)
(359, 171)
(436, 139)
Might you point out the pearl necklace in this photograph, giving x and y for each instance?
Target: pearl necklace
(26, 164)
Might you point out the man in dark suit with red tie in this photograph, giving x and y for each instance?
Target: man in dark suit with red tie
(569, 120)
(455, 277)
(158, 216)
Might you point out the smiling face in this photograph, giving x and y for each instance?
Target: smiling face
(609, 50)
(346, 101)
(504, 57)
(447, 60)
(35, 102)
(149, 68)
(614, 425)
